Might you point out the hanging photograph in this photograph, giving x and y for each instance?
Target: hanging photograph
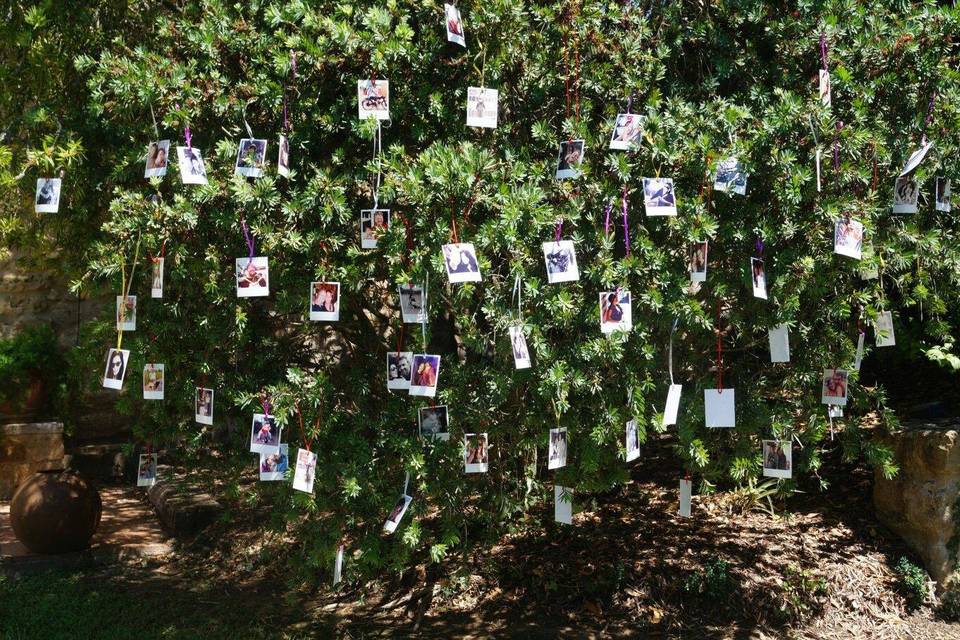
(435, 422)
(475, 452)
(412, 303)
(632, 441)
(426, 373)
(48, 195)
(147, 470)
(373, 222)
(325, 301)
(557, 449)
(454, 25)
(719, 408)
(824, 87)
(848, 238)
(283, 157)
(672, 407)
(915, 159)
(698, 261)
(658, 197)
(396, 514)
(883, 330)
(204, 406)
(399, 370)
(571, 157)
(253, 277)
(759, 278)
(561, 260)
(518, 342)
(563, 505)
(157, 153)
(686, 495)
(273, 466)
(192, 169)
(482, 107)
(156, 279)
(834, 389)
(779, 338)
(305, 471)
(460, 261)
(264, 434)
(626, 132)
(731, 177)
(373, 99)
(116, 368)
(126, 313)
(251, 158)
(777, 459)
(153, 381)
(906, 192)
(943, 194)
(616, 311)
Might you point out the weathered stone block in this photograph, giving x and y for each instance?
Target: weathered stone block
(26, 449)
(183, 507)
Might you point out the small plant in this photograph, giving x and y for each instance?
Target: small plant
(804, 594)
(754, 496)
(29, 357)
(912, 582)
(949, 608)
(714, 580)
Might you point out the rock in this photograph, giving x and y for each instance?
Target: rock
(183, 507)
(26, 449)
(921, 502)
(55, 512)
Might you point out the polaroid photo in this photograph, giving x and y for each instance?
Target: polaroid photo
(719, 408)
(325, 301)
(915, 159)
(413, 306)
(834, 411)
(557, 448)
(824, 87)
(626, 132)
(305, 472)
(273, 466)
(482, 107)
(779, 338)
(571, 157)
(561, 260)
(251, 158)
(731, 177)
(127, 313)
(338, 566)
(658, 197)
(373, 99)
(616, 311)
(632, 441)
(156, 281)
(943, 194)
(283, 157)
(518, 341)
(848, 238)
(426, 373)
(264, 434)
(192, 169)
(759, 278)
(475, 452)
(698, 261)
(858, 358)
(777, 459)
(157, 153)
(563, 505)
(454, 25)
(435, 422)
(686, 495)
(253, 277)
(116, 368)
(396, 514)
(48, 195)
(399, 370)
(906, 192)
(461, 263)
(153, 381)
(203, 400)
(373, 222)
(147, 470)
(883, 330)
(834, 391)
(673, 405)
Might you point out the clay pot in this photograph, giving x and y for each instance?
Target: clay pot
(55, 512)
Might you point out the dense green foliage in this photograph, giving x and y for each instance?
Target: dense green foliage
(912, 582)
(712, 80)
(30, 356)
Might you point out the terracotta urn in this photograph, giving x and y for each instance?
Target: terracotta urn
(55, 512)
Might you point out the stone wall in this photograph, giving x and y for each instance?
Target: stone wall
(26, 449)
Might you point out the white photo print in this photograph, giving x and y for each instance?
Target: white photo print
(48, 195)
(460, 261)
(626, 131)
(192, 169)
(435, 422)
(147, 470)
(557, 449)
(153, 381)
(274, 465)
(943, 194)
(156, 278)
(571, 157)
(373, 222)
(906, 193)
(396, 514)
(253, 277)
(632, 442)
(283, 156)
(126, 313)
(834, 389)
(264, 434)
(777, 459)
(116, 368)
(698, 261)
(616, 311)
(518, 344)
(825, 87)
(454, 25)
(156, 165)
(426, 375)
(413, 303)
(482, 107)
(658, 197)
(203, 401)
(325, 301)
(779, 338)
(561, 260)
(848, 238)
(475, 454)
(758, 277)
(399, 370)
(305, 472)
(731, 177)
(251, 157)
(373, 99)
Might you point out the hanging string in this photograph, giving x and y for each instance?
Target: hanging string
(823, 51)
(156, 131)
(406, 483)
(125, 285)
(249, 238)
(558, 230)
(293, 81)
(929, 119)
(606, 223)
(303, 434)
(518, 295)
(673, 330)
(626, 228)
(265, 402)
(423, 323)
(377, 151)
(758, 245)
(162, 254)
(719, 352)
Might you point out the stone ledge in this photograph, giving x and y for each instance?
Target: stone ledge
(31, 429)
(183, 507)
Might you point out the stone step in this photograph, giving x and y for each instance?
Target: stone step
(104, 462)
(183, 506)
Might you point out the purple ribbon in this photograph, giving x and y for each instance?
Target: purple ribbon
(606, 224)
(558, 230)
(759, 247)
(823, 51)
(626, 229)
(926, 123)
(248, 238)
(186, 132)
(629, 103)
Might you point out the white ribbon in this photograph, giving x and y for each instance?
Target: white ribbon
(406, 484)
(673, 330)
(423, 317)
(518, 294)
(156, 131)
(377, 154)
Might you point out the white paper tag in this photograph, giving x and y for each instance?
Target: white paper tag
(338, 567)
(779, 338)
(859, 357)
(563, 508)
(883, 329)
(719, 408)
(632, 441)
(686, 491)
(818, 171)
(673, 404)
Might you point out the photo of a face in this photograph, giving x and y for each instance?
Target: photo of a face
(916, 158)
(157, 159)
(906, 193)
(325, 301)
(475, 452)
(758, 278)
(153, 381)
(126, 313)
(251, 157)
(273, 466)
(192, 169)
(557, 450)
(399, 370)
(147, 470)
(632, 442)
(435, 422)
(482, 107)
(943, 194)
(283, 157)
(834, 387)
(373, 99)
(777, 459)
(848, 238)
(571, 157)
(518, 343)
(303, 476)
(426, 373)
(616, 311)
(397, 513)
(561, 260)
(204, 406)
(156, 278)
(883, 330)
(454, 25)
(373, 222)
(626, 132)
(48, 195)
(264, 434)
(658, 197)
(412, 303)
(253, 277)
(824, 87)
(698, 261)
(116, 368)
(731, 177)
(460, 261)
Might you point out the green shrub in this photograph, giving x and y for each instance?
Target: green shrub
(31, 355)
(713, 580)
(803, 594)
(949, 608)
(911, 582)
